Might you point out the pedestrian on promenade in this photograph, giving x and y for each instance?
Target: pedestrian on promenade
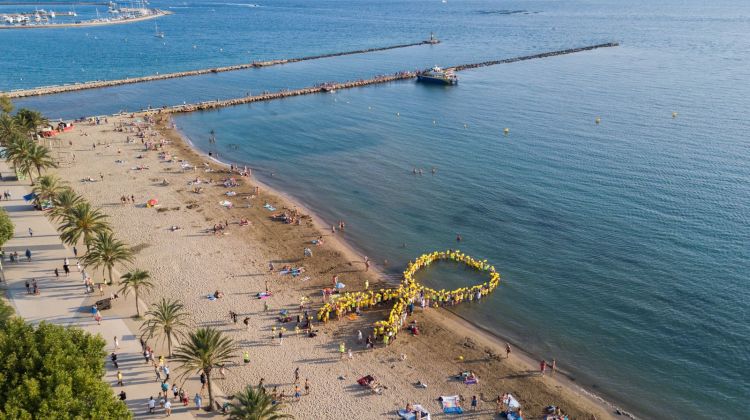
(123, 396)
(75, 252)
(57, 273)
(117, 343)
(119, 378)
(198, 401)
(113, 356)
(151, 404)
(66, 269)
(34, 286)
(203, 376)
(31, 232)
(168, 407)
(28, 287)
(28, 254)
(157, 371)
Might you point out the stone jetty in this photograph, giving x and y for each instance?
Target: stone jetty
(331, 87)
(48, 90)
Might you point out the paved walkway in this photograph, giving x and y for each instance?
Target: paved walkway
(64, 301)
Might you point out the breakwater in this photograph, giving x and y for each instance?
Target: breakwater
(48, 90)
(331, 87)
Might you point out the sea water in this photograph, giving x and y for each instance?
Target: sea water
(623, 245)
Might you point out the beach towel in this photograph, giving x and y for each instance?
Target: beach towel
(230, 193)
(269, 207)
(471, 381)
(225, 203)
(412, 415)
(263, 295)
(511, 402)
(450, 405)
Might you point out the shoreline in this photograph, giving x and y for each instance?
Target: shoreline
(159, 14)
(236, 263)
(446, 316)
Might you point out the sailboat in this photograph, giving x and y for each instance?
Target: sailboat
(157, 33)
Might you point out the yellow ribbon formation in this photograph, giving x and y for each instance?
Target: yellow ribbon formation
(409, 290)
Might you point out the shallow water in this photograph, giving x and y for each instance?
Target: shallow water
(623, 246)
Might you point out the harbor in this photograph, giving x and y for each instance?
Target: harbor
(332, 87)
(46, 19)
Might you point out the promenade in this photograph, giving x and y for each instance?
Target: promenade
(63, 301)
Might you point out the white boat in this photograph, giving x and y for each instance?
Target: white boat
(157, 33)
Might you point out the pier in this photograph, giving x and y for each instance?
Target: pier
(48, 90)
(331, 87)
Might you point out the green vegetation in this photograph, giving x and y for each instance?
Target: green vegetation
(49, 371)
(166, 319)
(136, 281)
(254, 404)
(82, 222)
(105, 252)
(6, 227)
(6, 312)
(204, 350)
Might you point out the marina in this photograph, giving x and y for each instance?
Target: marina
(41, 18)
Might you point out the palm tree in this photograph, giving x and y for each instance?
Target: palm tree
(253, 404)
(40, 158)
(136, 281)
(82, 221)
(204, 350)
(6, 105)
(166, 318)
(48, 187)
(8, 128)
(17, 151)
(63, 202)
(29, 120)
(105, 252)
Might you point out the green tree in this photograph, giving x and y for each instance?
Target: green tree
(8, 129)
(6, 313)
(106, 251)
(40, 157)
(63, 202)
(29, 120)
(47, 187)
(17, 151)
(204, 350)
(49, 371)
(253, 404)
(136, 281)
(167, 319)
(6, 227)
(82, 222)
(6, 106)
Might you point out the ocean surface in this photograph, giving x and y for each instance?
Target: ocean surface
(624, 246)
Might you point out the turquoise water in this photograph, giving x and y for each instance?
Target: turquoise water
(623, 246)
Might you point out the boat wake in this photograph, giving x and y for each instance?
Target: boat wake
(505, 12)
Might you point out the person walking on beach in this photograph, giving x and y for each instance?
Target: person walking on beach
(307, 387)
(246, 321)
(28, 287)
(542, 366)
(507, 350)
(342, 350)
(66, 269)
(31, 233)
(296, 375)
(474, 403)
(553, 367)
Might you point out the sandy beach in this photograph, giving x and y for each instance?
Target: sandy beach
(192, 262)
